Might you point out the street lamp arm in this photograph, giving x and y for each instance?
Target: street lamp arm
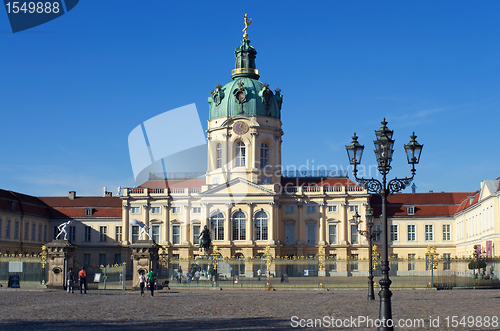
(371, 185)
(398, 184)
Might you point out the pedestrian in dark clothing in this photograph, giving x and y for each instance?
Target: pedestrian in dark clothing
(70, 279)
(152, 281)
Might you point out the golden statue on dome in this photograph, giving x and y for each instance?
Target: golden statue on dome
(248, 21)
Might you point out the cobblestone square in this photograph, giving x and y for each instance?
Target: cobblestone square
(42, 309)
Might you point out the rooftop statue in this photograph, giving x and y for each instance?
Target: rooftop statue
(248, 21)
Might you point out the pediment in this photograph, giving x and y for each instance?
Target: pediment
(238, 187)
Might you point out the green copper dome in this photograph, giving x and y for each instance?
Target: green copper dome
(245, 94)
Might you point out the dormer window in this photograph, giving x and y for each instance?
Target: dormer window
(410, 210)
(89, 211)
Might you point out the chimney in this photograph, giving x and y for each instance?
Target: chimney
(431, 191)
(108, 194)
(72, 195)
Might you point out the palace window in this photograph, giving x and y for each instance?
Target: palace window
(103, 233)
(16, 229)
(102, 259)
(196, 210)
(332, 234)
(411, 262)
(217, 226)
(33, 231)
(311, 234)
(27, 231)
(411, 232)
(87, 235)
(376, 232)
(240, 154)
(176, 210)
(353, 209)
(394, 233)
(354, 234)
(135, 233)
(196, 234)
(311, 209)
(429, 232)
(118, 258)
(260, 221)
(155, 233)
(446, 232)
(176, 234)
(331, 209)
(118, 233)
(289, 234)
(7, 229)
(86, 259)
(264, 155)
(239, 226)
(155, 210)
(40, 229)
(72, 233)
(218, 150)
(135, 210)
(354, 264)
(289, 209)
(410, 210)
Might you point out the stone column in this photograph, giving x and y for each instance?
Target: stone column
(322, 224)
(300, 224)
(344, 224)
(60, 257)
(271, 226)
(228, 225)
(125, 224)
(166, 220)
(187, 225)
(146, 220)
(144, 258)
(250, 228)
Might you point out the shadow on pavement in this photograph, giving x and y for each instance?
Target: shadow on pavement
(170, 324)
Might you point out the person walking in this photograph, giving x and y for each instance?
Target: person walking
(152, 280)
(82, 276)
(142, 283)
(259, 274)
(70, 279)
(179, 274)
(197, 276)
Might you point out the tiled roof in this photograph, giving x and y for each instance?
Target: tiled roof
(49, 207)
(425, 204)
(82, 201)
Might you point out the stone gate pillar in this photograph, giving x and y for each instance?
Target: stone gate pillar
(144, 257)
(60, 257)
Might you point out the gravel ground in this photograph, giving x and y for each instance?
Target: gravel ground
(42, 309)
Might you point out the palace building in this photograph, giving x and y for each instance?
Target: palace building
(248, 202)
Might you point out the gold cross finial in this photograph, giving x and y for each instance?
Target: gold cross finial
(248, 21)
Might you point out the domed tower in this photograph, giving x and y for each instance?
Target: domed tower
(244, 127)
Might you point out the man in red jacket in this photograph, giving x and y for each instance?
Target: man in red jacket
(82, 276)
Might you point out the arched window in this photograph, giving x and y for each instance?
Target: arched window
(239, 226)
(240, 154)
(260, 221)
(264, 155)
(218, 150)
(217, 226)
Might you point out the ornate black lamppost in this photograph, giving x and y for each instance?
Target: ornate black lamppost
(370, 235)
(383, 151)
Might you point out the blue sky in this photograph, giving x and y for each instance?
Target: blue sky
(74, 88)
